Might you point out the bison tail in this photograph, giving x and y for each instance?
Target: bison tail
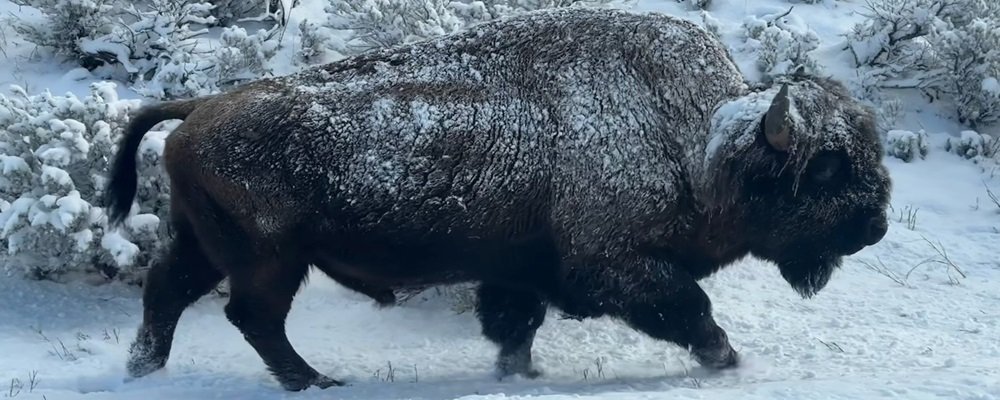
(123, 182)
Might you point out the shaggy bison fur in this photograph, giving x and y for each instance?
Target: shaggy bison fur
(597, 161)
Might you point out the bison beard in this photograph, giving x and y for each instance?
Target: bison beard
(591, 160)
(809, 277)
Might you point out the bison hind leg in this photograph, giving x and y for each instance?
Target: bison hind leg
(510, 318)
(176, 280)
(262, 294)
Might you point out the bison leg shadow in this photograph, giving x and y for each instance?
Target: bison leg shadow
(657, 299)
(178, 279)
(510, 318)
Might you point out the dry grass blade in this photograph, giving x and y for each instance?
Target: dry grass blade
(993, 196)
(881, 269)
(945, 259)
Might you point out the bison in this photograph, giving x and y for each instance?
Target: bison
(596, 161)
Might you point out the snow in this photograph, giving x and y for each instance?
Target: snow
(916, 316)
(120, 248)
(991, 86)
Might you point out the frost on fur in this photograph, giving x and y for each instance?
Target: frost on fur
(54, 153)
(782, 43)
(906, 145)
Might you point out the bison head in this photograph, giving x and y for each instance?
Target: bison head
(807, 179)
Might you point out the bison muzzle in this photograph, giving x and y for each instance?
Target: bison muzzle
(596, 161)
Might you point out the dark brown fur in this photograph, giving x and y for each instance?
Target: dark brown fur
(475, 158)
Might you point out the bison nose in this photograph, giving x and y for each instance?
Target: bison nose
(875, 230)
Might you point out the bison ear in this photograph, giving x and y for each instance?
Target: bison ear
(776, 124)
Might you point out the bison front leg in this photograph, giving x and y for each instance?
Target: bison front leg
(663, 302)
(509, 319)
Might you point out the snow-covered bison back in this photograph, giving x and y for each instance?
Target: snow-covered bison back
(597, 161)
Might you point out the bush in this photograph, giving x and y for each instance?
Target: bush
(229, 12)
(966, 66)
(973, 145)
(312, 44)
(947, 49)
(383, 23)
(54, 152)
(906, 145)
(153, 43)
(781, 43)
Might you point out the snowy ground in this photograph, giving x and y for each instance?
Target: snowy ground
(932, 332)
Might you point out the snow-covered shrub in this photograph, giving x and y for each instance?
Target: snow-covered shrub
(54, 153)
(158, 44)
(947, 49)
(312, 43)
(474, 11)
(67, 23)
(892, 33)
(697, 4)
(242, 56)
(711, 24)
(906, 145)
(888, 109)
(229, 12)
(967, 66)
(782, 43)
(383, 23)
(973, 145)
(236, 57)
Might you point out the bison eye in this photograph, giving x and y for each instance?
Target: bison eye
(825, 167)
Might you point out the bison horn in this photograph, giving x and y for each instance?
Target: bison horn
(800, 72)
(776, 124)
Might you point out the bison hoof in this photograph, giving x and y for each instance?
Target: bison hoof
(528, 373)
(138, 368)
(323, 382)
(516, 364)
(319, 380)
(719, 358)
(386, 300)
(143, 360)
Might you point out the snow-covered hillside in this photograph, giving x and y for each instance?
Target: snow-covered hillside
(916, 316)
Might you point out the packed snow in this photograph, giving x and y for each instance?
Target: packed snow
(916, 316)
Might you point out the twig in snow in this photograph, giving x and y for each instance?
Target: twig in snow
(945, 260)
(993, 196)
(832, 346)
(881, 269)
